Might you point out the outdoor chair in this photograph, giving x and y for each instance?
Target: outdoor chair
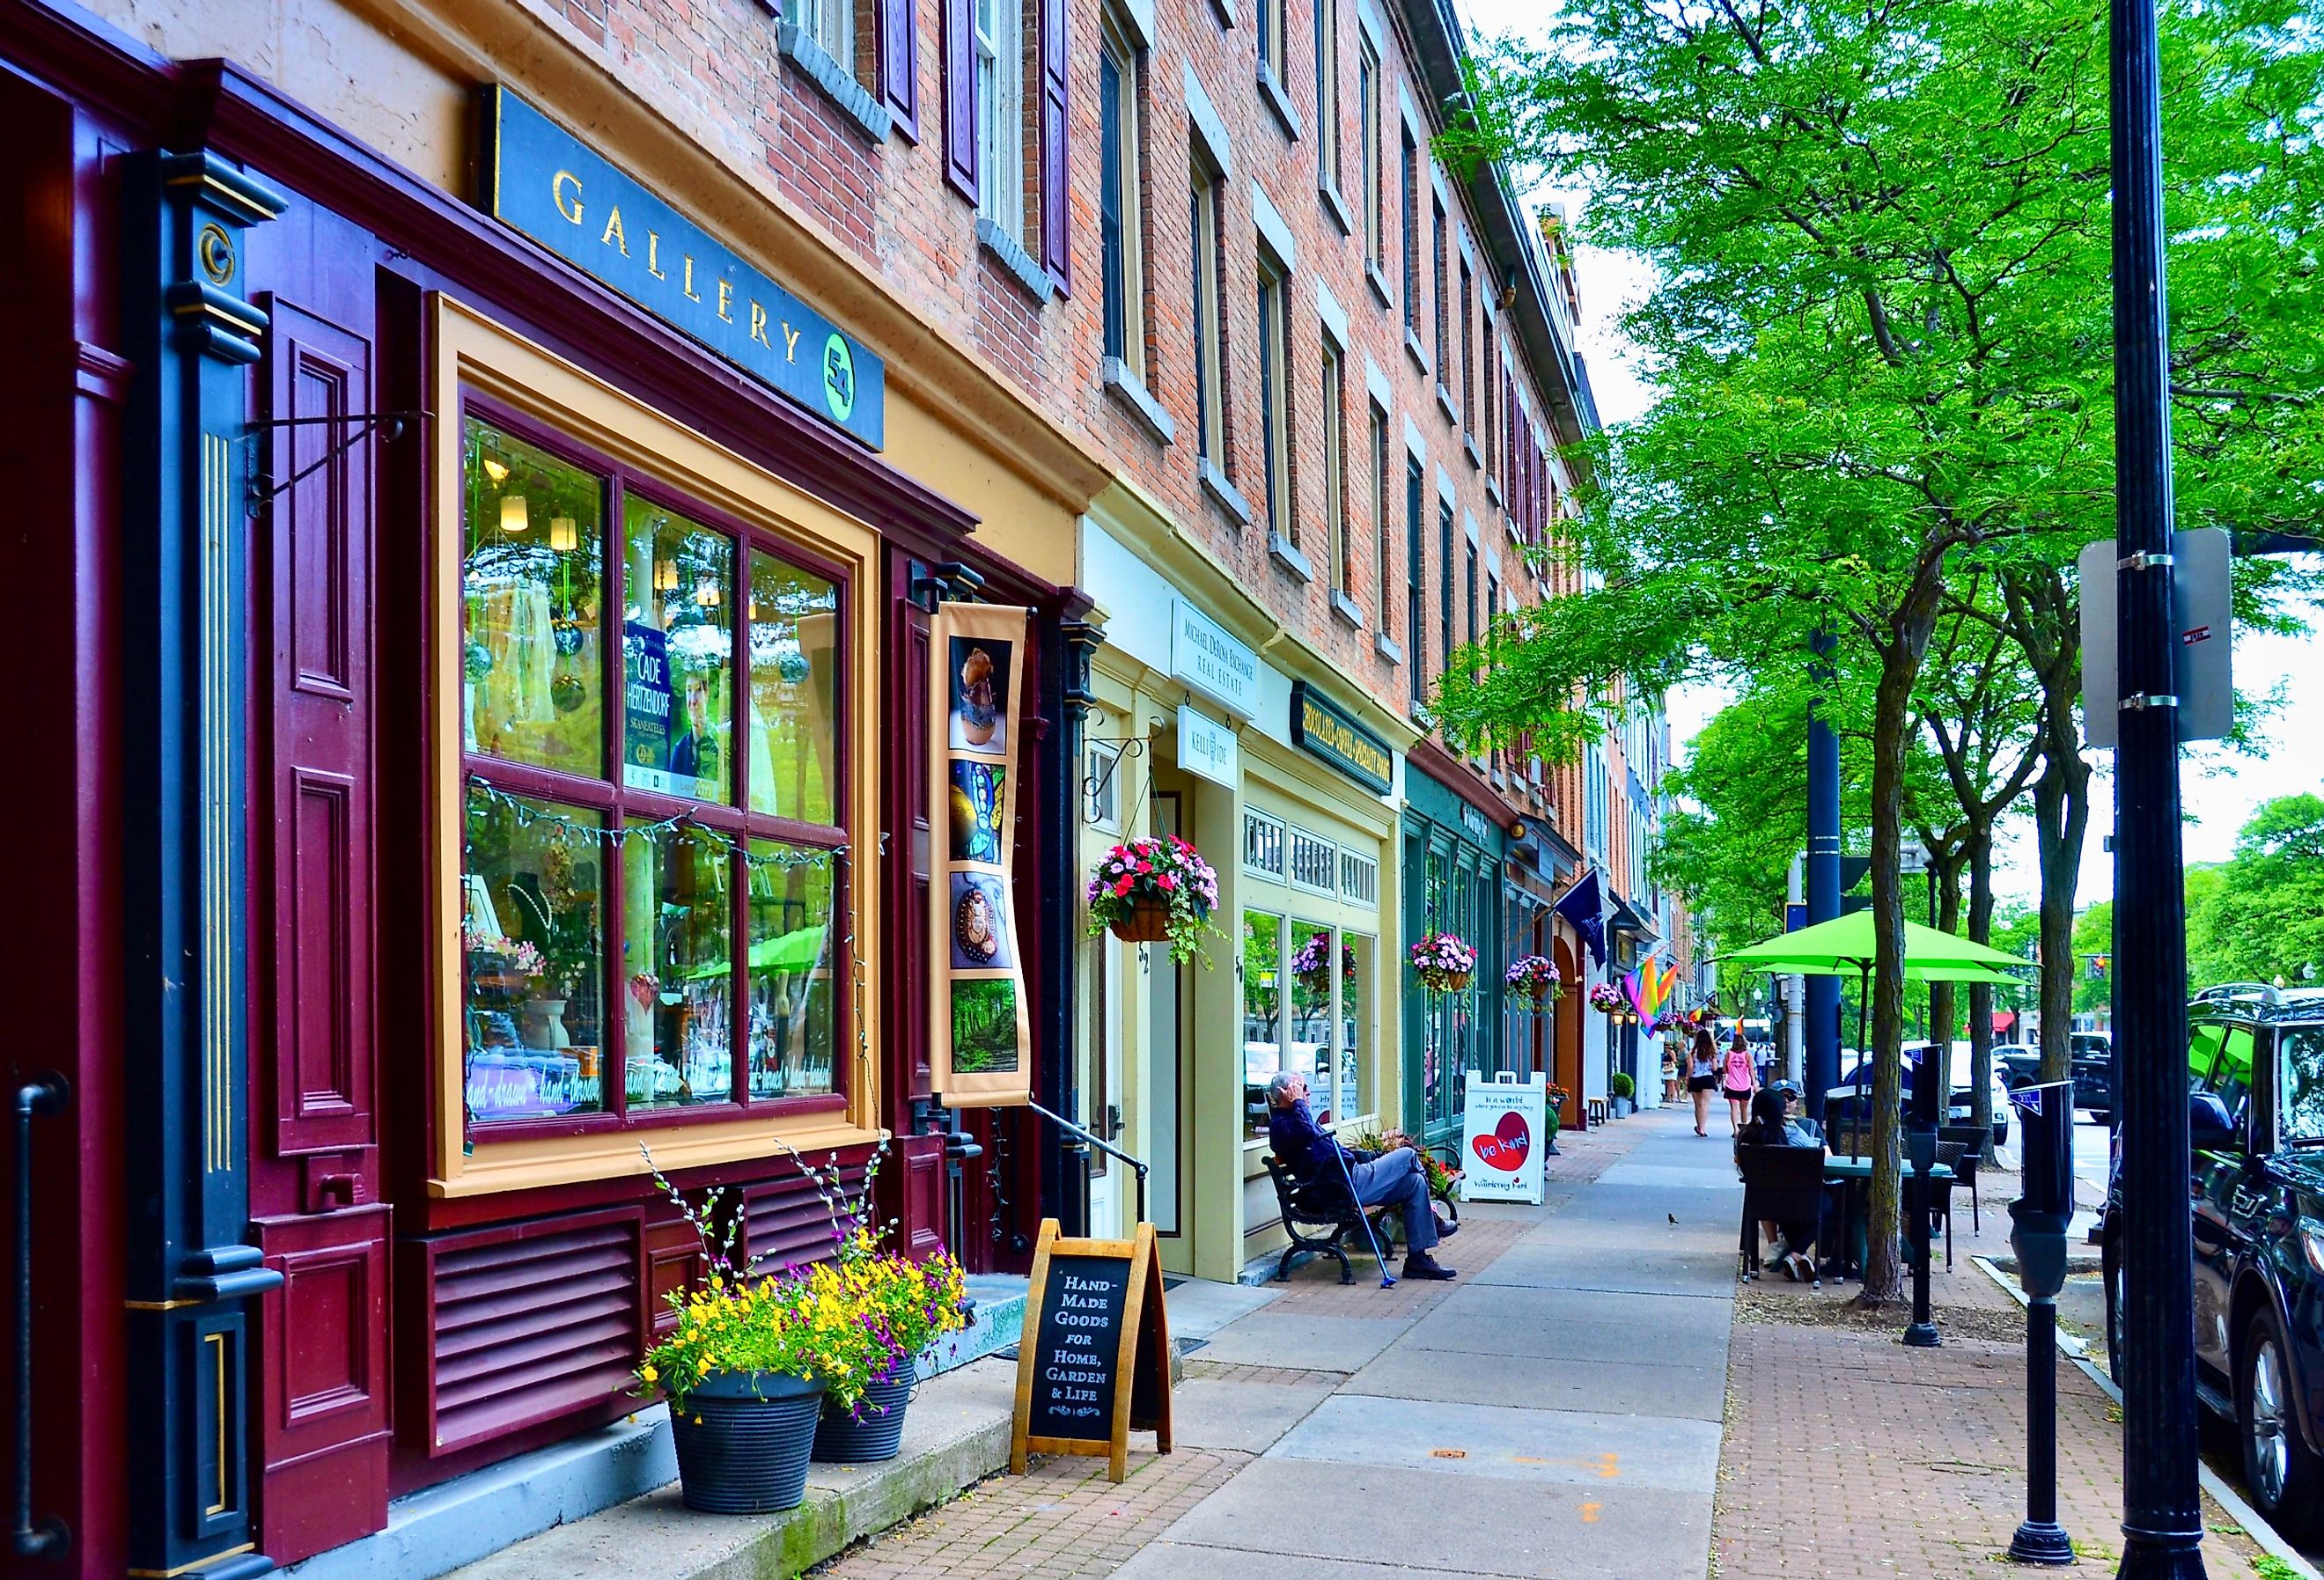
(1780, 1185)
(1325, 1204)
(1972, 1138)
(1939, 1203)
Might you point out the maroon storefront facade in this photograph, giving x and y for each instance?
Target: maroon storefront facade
(282, 1271)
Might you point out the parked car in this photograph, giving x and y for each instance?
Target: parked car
(2093, 1073)
(1850, 1103)
(2257, 1123)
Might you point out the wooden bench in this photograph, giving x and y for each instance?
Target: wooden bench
(1327, 1206)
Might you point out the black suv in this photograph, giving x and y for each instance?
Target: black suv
(2256, 1064)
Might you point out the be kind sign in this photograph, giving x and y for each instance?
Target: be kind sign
(1505, 1140)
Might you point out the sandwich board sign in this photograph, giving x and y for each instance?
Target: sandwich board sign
(1093, 1363)
(1504, 1120)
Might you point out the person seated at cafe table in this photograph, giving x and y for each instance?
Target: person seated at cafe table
(1768, 1127)
(1397, 1177)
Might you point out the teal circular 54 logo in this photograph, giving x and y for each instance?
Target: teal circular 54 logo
(838, 378)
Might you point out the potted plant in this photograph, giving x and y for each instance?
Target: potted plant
(1607, 999)
(908, 1305)
(1536, 977)
(1552, 1117)
(1443, 962)
(1151, 891)
(1621, 1088)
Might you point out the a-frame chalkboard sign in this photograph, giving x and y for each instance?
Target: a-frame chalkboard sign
(1093, 1317)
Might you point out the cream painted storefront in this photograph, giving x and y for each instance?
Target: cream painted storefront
(1192, 732)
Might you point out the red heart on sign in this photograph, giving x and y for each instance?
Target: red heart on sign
(1507, 1147)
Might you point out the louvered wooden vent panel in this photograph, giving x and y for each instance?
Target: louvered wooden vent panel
(532, 1323)
(785, 1222)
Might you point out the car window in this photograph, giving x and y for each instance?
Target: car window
(2230, 1068)
(2300, 1050)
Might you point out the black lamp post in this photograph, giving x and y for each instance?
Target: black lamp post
(2162, 1528)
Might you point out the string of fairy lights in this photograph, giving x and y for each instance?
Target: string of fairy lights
(527, 814)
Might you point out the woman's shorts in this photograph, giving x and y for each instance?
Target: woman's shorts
(1700, 1083)
(1735, 1096)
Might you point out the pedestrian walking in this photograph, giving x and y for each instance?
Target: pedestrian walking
(1701, 1076)
(1740, 1078)
(1670, 1081)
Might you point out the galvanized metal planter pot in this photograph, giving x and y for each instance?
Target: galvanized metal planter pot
(743, 1441)
(841, 1438)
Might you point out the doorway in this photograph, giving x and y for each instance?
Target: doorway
(1168, 998)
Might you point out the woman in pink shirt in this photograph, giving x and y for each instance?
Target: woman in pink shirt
(1738, 1078)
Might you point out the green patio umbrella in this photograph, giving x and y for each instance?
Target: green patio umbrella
(1845, 944)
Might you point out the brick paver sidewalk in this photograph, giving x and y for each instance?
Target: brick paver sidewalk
(1849, 1457)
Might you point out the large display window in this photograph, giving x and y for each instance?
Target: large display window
(1306, 978)
(655, 911)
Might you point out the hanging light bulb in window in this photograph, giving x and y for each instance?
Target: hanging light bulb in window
(706, 592)
(563, 533)
(497, 470)
(665, 575)
(515, 515)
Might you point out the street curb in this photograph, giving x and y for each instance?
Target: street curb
(2226, 1496)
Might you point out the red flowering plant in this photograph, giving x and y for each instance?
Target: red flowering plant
(1154, 890)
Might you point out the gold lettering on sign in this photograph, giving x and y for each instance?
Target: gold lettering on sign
(790, 343)
(653, 256)
(557, 195)
(725, 300)
(687, 284)
(614, 233)
(759, 325)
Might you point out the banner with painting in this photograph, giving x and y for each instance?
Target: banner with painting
(980, 1043)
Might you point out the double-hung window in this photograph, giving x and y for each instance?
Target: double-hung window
(1468, 350)
(1001, 114)
(1367, 110)
(1411, 236)
(1210, 361)
(1416, 606)
(1327, 93)
(1330, 394)
(653, 761)
(1436, 284)
(1444, 584)
(1382, 515)
(1272, 21)
(1122, 236)
(1275, 394)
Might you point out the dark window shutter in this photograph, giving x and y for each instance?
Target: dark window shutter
(1056, 196)
(960, 97)
(899, 64)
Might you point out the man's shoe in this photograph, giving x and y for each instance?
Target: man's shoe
(1445, 1231)
(1419, 1264)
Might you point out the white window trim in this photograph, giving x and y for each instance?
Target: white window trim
(1291, 867)
(1000, 113)
(1283, 843)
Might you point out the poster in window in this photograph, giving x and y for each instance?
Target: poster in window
(645, 704)
(980, 1030)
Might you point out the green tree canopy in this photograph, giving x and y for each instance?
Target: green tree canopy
(2260, 914)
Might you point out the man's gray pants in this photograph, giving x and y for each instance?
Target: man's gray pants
(1397, 1179)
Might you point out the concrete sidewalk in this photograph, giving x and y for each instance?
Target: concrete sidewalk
(1556, 1412)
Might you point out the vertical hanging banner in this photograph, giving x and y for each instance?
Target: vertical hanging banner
(980, 1032)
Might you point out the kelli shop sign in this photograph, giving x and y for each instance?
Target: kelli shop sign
(1505, 1140)
(540, 178)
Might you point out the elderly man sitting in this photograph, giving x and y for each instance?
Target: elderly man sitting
(1395, 1179)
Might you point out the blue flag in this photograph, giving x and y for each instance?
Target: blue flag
(1584, 906)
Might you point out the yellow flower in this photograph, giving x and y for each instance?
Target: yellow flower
(703, 1366)
(649, 1374)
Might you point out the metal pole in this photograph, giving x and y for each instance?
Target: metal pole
(30, 1539)
(2162, 1526)
(1823, 896)
(2039, 1538)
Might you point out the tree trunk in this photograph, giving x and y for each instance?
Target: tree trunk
(2062, 816)
(1945, 997)
(1891, 719)
(1981, 995)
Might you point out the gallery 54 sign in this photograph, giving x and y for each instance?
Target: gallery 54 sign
(543, 180)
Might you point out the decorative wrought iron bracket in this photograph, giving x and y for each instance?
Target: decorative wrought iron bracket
(389, 425)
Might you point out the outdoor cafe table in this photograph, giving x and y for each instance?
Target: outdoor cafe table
(1855, 1172)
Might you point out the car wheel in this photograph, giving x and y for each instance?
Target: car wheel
(2282, 1476)
(2114, 1309)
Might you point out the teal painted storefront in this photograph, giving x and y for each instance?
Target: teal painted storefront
(1452, 865)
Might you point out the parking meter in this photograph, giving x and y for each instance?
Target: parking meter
(2039, 1216)
(1924, 1107)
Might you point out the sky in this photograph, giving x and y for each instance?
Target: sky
(2218, 790)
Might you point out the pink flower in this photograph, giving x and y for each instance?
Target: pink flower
(1167, 882)
(1121, 888)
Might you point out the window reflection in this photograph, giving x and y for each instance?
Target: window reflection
(2303, 1085)
(1262, 1013)
(794, 954)
(533, 966)
(793, 730)
(677, 969)
(677, 654)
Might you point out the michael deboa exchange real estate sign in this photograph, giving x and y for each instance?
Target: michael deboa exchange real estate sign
(540, 178)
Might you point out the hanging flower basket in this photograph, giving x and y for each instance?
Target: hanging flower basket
(1607, 999)
(1311, 963)
(1536, 977)
(1153, 891)
(1443, 962)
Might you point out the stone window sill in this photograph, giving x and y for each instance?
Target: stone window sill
(1278, 100)
(1412, 348)
(1129, 392)
(1223, 491)
(1388, 647)
(1337, 208)
(1344, 610)
(833, 81)
(1379, 283)
(1444, 404)
(1287, 557)
(1469, 449)
(1016, 260)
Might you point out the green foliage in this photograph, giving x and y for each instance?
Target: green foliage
(2093, 936)
(2260, 914)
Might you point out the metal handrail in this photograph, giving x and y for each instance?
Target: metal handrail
(1102, 1145)
(31, 1539)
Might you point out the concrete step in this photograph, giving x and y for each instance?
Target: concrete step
(999, 1322)
(956, 1434)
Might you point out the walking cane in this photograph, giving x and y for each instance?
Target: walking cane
(1388, 1278)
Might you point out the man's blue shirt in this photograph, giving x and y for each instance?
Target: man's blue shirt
(1305, 1147)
